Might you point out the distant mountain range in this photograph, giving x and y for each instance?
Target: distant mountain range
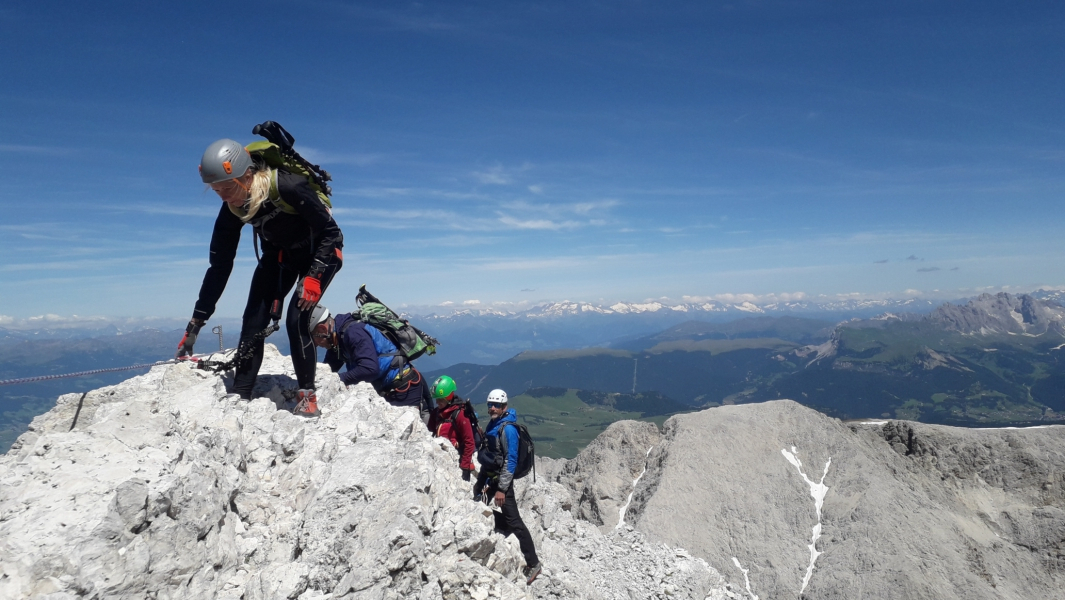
(1002, 314)
(996, 359)
(490, 336)
(694, 353)
(561, 309)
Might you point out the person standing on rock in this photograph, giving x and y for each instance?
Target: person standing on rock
(449, 420)
(369, 357)
(302, 248)
(495, 483)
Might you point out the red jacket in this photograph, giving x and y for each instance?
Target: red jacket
(451, 422)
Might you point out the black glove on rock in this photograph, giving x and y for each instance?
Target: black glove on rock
(186, 343)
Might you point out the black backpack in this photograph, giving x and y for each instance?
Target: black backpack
(467, 409)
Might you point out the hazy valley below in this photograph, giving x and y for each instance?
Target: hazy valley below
(993, 360)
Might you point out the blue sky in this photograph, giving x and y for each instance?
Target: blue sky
(487, 152)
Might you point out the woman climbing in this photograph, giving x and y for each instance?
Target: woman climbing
(301, 243)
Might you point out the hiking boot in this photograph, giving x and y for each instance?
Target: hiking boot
(530, 573)
(306, 404)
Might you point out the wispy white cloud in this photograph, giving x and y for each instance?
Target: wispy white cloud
(189, 210)
(518, 223)
(47, 150)
(514, 215)
(496, 175)
(409, 192)
(530, 265)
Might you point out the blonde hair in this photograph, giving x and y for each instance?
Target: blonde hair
(258, 192)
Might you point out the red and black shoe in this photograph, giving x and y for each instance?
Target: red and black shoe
(306, 404)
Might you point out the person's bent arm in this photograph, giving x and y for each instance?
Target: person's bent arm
(332, 358)
(360, 347)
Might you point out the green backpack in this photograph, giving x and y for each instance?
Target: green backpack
(277, 153)
(411, 341)
(274, 158)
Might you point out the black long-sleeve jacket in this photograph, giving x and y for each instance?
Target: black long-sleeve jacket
(312, 230)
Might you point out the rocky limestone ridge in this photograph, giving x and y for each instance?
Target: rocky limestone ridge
(165, 487)
(601, 477)
(893, 509)
(1002, 313)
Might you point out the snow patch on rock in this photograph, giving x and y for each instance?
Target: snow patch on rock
(817, 491)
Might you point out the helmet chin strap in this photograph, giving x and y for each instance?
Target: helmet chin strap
(242, 186)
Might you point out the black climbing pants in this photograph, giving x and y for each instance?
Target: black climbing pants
(508, 521)
(273, 279)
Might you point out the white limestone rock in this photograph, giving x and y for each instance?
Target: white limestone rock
(165, 487)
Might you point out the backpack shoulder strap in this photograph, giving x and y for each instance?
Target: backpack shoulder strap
(275, 195)
(347, 324)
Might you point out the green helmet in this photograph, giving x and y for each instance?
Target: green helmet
(443, 388)
(224, 160)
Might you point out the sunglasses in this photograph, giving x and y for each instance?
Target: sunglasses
(496, 405)
(228, 187)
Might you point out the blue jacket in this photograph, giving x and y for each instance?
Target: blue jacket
(365, 352)
(505, 445)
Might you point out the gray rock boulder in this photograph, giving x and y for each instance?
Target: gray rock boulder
(786, 502)
(602, 476)
(165, 487)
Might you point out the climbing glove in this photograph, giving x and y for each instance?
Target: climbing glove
(186, 343)
(310, 291)
(466, 474)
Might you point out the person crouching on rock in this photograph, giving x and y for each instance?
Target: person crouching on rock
(499, 460)
(449, 420)
(369, 357)
(302, 247)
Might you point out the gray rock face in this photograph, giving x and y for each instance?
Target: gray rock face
(167, 488)
(601, 476)
(909, 510)
(1002, 313)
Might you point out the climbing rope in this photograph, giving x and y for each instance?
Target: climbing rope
(83, 373)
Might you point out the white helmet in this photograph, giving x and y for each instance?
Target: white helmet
(319, 315)
(497, 397)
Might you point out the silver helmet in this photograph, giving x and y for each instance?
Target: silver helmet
(224, 160)
(319, 315)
